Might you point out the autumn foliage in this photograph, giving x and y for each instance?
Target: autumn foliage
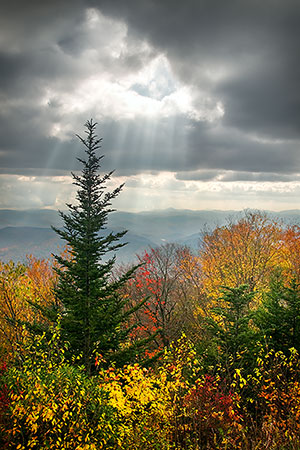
(226, 372)
(245, 252)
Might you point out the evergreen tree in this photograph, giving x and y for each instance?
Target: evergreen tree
(94, 315)
(279, 315)
(292, 301)
(229, 326)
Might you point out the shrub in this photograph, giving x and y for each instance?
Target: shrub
(53, 405)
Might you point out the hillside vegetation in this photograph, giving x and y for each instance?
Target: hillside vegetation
(219, 366)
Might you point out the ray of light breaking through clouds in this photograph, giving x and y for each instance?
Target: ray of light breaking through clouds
(197, 102)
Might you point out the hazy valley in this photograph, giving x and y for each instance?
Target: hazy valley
(29, 232)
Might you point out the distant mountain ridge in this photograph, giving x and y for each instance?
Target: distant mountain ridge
(29, 231)
(16, 243)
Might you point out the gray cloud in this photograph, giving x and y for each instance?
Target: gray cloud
(34, 24)
(244, 52)
(259, 177)
(223, 176)
(231, 149)
(200, 175)
(242, 55)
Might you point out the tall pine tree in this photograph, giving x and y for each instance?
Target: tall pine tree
(94, 315)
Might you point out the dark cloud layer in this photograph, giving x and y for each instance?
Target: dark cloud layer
(256, 42)
(243, 55)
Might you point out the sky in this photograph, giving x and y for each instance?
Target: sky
(197, 101)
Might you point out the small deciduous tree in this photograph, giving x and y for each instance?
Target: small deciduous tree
(160, 280)
(291, 252)
(245, 252)
(21, 287)
(13, 306)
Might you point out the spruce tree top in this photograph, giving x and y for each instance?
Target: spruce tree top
(89, 216)
(93, 313)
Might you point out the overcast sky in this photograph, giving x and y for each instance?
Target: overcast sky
(197, 102)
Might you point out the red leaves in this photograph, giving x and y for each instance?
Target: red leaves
(208, 398)
(211, 415)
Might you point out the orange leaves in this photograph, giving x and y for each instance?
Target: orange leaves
(279, 399)
(21, 284)
(14, 290)
(41, 277)
(291, 253)
(245, 252)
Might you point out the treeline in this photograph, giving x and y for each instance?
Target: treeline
(220, 368)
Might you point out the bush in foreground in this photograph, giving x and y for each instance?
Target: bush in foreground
(45, 403)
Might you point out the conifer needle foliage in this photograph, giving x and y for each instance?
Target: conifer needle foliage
(94, 315)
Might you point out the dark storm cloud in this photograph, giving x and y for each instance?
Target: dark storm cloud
(257, 43)
(230, 149)
(244, 54)
(265, 100)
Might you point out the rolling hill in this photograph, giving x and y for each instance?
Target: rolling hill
(29, 232)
